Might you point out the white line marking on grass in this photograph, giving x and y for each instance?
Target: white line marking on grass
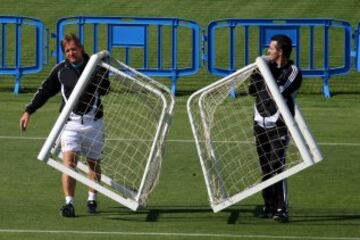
(177, 140)
(170, 234)
(22, 138)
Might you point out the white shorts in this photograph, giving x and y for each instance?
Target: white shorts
(84, 137)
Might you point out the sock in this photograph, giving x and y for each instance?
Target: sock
(69, 199)
(92, 196)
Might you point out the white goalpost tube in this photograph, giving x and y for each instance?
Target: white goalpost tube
(313, 147)
(203, 168)
(108, 181)
(133, 205)
(257, 188)
(209, 145)
(60, 122)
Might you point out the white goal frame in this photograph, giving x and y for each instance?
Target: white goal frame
(298, 129)
(108, 187)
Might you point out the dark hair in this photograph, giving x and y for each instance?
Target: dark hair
(284, 43)
(71, 37)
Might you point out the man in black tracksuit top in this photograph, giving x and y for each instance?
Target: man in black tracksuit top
(83, 132)
(272, 136)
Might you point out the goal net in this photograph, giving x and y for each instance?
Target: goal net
(137, 113)
(223, 128)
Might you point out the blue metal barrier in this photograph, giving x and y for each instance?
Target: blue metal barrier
(15, 30)
(356, 52)
(158, 40)
(311, 37)
(170, 47)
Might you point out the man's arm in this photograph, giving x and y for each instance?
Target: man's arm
(48, 88)
(293, 82)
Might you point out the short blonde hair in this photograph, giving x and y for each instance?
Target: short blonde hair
(71, 37)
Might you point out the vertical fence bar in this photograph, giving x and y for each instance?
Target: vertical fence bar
(18, 44)
(47, 34)
(127, 56)
(311, 48)
(146, 46)
(159, 47)
(246, 44)
(37, 47)
(232, 47)
(18, 56)
(195, 48)
(174, 56)
(81, 30)
(109, 38)
(95, 38)
(174, 44)
(3, 45)
(326, 48)
(298, 48)
(326, 88)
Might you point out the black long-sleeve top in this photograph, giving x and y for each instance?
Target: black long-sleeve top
(288, 78)
(63, 78)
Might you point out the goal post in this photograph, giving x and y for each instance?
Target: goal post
(224, 136)
(137, 114)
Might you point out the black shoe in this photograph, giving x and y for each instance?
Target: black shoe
(67, 210)
(267, 212)
(281, 215)
(92, 205)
